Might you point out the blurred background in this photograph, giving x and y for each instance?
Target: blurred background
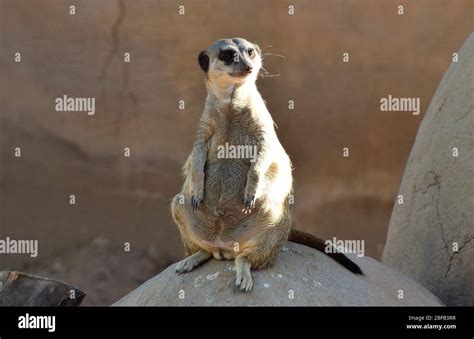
(126, 199)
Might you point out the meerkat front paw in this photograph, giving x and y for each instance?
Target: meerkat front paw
(250, 196)
(249, 203)
(195, 201)
(197, 196)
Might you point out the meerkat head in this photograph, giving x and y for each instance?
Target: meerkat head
(231, 61)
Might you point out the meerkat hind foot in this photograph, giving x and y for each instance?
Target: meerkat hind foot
(243, 279)
(191, 262)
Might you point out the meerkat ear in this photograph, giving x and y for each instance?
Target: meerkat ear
(257, 47)
(203, 59)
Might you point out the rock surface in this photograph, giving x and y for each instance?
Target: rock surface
(438, 189)
(307, 275)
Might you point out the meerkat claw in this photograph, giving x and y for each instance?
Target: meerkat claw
(243, 277)
(194, 203)
(249, 204)
(194, 260)
(184, 266)
(250, 201)
(244, 281)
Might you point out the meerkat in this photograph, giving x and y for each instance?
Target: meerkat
(233, 205)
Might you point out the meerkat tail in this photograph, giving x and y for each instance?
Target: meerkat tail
(312, 241)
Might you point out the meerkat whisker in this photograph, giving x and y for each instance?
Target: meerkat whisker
(274, 54)
(267, 74)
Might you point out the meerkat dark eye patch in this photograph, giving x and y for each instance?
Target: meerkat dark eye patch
(227, 56)
(203, 60)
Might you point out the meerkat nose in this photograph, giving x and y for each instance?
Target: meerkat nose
(248, 69)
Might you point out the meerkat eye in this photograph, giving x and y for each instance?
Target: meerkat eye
(250, 52)
(227, 56)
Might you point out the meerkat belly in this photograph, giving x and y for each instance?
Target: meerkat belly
(225, 227)
(224, 189)
(226, 178)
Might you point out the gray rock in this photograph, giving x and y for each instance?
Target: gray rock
(311, 277)
(438, 188)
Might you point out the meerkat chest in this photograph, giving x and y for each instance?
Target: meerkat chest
(235, 139)
(237, 148)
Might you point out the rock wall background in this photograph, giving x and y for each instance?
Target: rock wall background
(126, 199)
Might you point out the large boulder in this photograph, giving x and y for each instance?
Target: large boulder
(299, 276)
(430, 234)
